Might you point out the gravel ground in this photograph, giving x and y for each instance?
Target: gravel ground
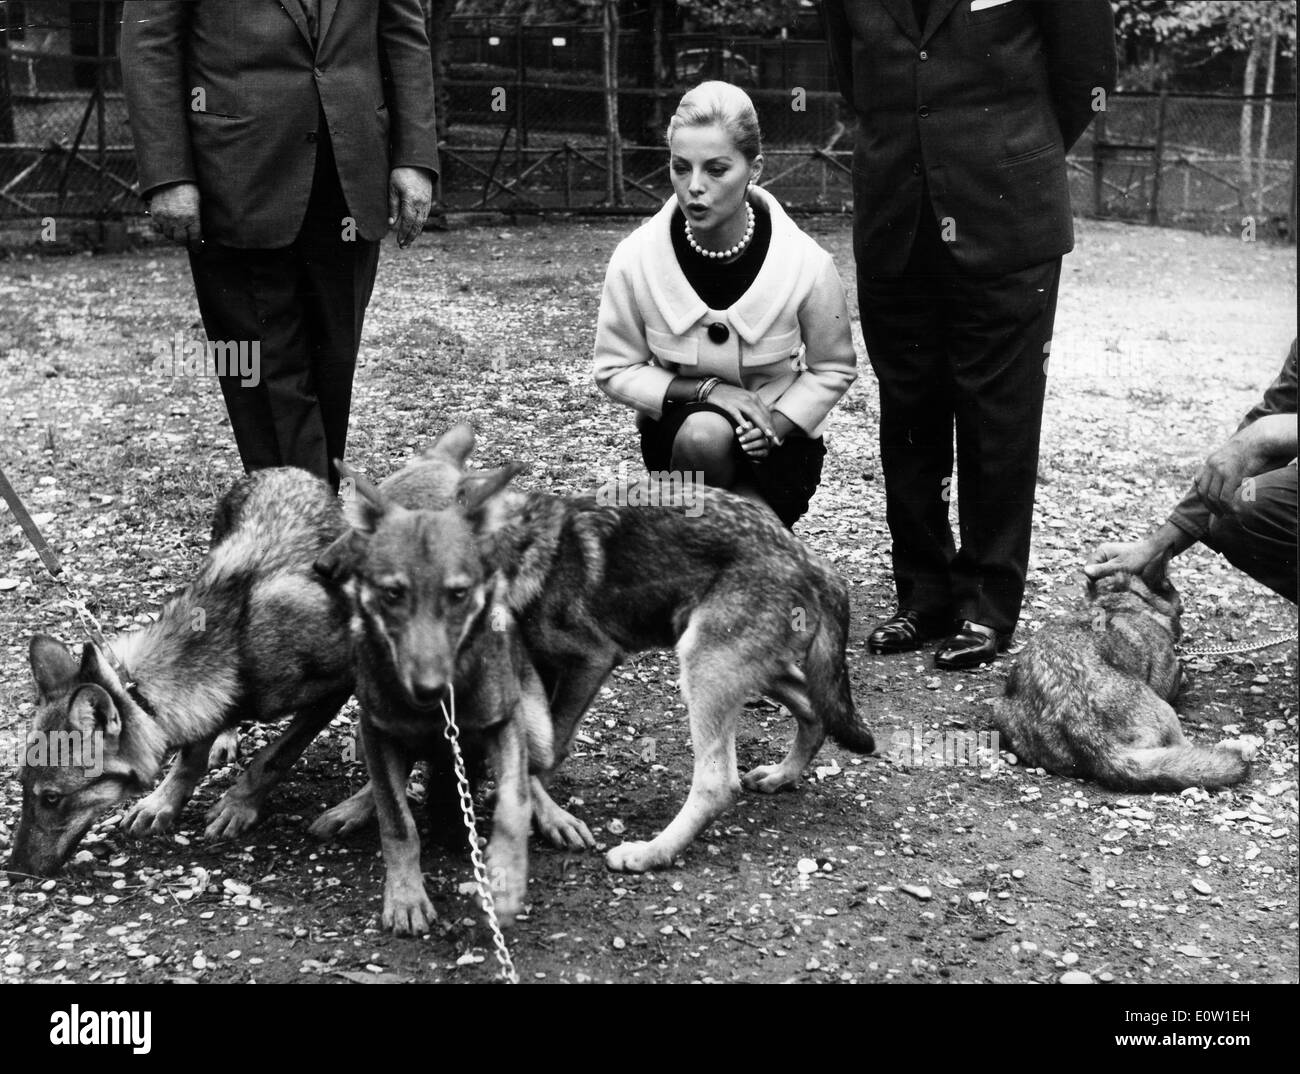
(873, 870)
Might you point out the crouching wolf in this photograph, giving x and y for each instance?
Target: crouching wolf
(255, 636)
(1094, 701)
(742, 599)
(424, 637)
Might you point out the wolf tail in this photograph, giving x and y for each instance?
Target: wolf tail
(1174, 768)
(828, 679)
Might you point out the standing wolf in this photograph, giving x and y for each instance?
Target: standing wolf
(741, 599)
(423, 636)
(255, 636)
(1095, 703)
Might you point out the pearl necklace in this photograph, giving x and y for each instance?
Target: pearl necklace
(722, 255)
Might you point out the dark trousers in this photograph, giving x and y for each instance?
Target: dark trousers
(305, 304)
(951, 349)
(1260, 538)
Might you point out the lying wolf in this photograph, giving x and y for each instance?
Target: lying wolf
(1094, 701)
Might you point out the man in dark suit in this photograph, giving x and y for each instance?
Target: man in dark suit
(280, 140)
(961, 214)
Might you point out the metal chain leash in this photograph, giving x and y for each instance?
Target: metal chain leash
(1248, 647)
(452, 733)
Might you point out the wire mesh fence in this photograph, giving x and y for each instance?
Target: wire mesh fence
(535, 123)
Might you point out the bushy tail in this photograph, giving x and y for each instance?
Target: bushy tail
(827, 674)
(1172, 768)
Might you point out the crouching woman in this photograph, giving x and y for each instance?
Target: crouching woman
(722, 323)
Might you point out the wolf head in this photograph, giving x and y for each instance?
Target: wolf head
(78, 758)
(1151, 591)
(417, 581)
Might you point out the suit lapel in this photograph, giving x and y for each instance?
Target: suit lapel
(294, 10)
(902, 13)
(939, 10)
(327, 9)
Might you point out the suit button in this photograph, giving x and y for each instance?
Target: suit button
(923, 111)
(916, 169)
(923, 55)
(317, 71)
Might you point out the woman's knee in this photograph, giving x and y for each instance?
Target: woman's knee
(704, 442)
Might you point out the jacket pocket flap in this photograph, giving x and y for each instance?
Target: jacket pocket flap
(670, 348)
(771, 348)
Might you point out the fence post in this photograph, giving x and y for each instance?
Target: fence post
(6, 96)
(1153, 211)
(1098, 162)
(521, 128)
(613, 140)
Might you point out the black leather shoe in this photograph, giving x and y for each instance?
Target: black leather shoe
(906, 631)
(973, 644)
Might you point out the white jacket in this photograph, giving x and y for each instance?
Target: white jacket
(790, 340)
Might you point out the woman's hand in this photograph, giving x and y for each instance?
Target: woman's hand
(749, 412)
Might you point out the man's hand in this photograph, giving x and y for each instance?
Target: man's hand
(1137, 557)
(410, 196)
(175, 212)
(1223, 474)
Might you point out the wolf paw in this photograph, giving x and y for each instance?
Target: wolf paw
(768, 778)
(1245, 748)
(150, 816)
(634, 858)
(407, 909)
(562, 829)
(347, 818)
(230, 818)
(225, 750)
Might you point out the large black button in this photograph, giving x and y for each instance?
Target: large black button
(719, 332)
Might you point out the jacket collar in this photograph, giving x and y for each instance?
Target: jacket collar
(753, 315)
(905, 15)
(293, 9)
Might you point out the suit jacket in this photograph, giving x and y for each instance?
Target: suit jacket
(978, 107)
(789, 341)
(229, 94)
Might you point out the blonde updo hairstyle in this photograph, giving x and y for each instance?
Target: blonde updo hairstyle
(724, 104)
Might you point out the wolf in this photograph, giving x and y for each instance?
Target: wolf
(744, 602)
(255, 636)
(1094, 702)
(424, 637)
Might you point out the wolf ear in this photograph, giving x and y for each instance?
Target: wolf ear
(93, 710)
(53, 667)
(94, 668)
(363, 504)
(476, 491)
(339, 559)
(455, 444)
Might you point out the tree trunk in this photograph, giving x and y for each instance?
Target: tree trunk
(1246, 145)
(613, 140)
(1270, 79)
(438, 14)
(661, 72)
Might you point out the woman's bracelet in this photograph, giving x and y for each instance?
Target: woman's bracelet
(706, 385)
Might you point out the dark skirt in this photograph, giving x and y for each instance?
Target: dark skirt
(786, 479)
